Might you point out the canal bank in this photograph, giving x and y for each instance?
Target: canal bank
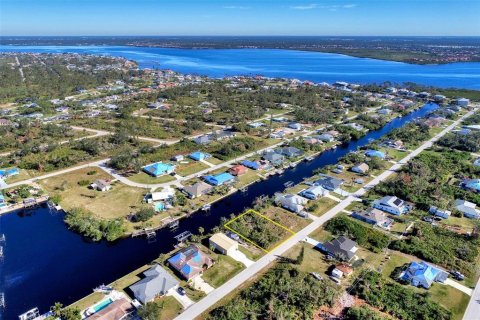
(44, 262)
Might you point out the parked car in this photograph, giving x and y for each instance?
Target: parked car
(303, 214)
(181, 291)
(457, 275)
(233, 236)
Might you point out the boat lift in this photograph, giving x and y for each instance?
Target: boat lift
(2, 238)
(183, 236)
(2, 300)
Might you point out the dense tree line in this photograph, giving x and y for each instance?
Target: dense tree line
(89, 226)
(440, 246)
(465, 142)
(363, 235)
(399, 301)
(282, 293)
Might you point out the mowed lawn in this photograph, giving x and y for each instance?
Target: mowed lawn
(118, 202)
(224, 269)
(142, 177)
(186, 169)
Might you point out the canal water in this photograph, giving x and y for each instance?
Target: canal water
(45, 262)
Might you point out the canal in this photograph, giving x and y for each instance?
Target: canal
(44, 262)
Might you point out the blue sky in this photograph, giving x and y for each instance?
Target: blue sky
(247, 17)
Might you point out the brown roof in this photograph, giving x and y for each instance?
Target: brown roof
(114, 311)
(346, 269)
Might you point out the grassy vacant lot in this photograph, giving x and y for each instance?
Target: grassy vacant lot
(186, 169)
(259, 230)
(450, 298)
(247, 178)
(285, 218)
(115, 203)
(224, 268)
(322, 205)
(170, 307)
(142, 177)
(251, 252)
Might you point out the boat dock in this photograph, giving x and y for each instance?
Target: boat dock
(25, 204)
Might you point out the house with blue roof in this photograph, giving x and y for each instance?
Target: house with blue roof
(190, 262)
(471, 185)
(159, 168)
(375, 154)
(199, 156)
(421, 274)
(219, 179)
(251, 164)
(6, 173)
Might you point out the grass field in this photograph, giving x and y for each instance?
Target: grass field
(186, 169)
(286, 218)
(142, 177)
(117, 202)
(323, 205)
(224, 269)
(247, 178)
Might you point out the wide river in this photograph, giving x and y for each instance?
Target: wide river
(45, 262)
(303, 65)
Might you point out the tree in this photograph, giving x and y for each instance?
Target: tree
(201, 230)
(300, 256)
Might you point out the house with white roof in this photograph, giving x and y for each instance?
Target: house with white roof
(468, 209)
(391, 204)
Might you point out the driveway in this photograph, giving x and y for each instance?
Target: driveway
(183, 300)
(200, 284)
(311, 241)
(241, 257)
(456, 285)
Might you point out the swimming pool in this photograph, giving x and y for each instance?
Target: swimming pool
(102, 305)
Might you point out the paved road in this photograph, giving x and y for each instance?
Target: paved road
(473, 308)
(216, 295)
(104, 132)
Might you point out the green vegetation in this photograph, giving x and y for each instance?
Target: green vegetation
(282, 293)
(365, 236)
(144, 214)
(67, 313)
(397, 300)
(469, 142)
(440, 246)
(363, 313)
(410, 134)
(88, 225)
(259, 230)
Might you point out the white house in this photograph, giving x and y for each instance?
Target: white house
(101, 185)
(314, 192)
(291, 202)
(468, 209)
(391, 204)
(165, 194)
(463, 102)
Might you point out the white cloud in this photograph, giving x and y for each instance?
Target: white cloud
(306, 7)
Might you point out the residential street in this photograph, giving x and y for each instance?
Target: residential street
(216, 295)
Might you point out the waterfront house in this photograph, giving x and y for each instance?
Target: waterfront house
(290, 152)
(312, 140)
(374, 217)
(274, 158)
(156, 282)
(101, 185)
(361, 168)
(190, 262)
(468, 209)
(391, 204)
(166, 193)
(251, 164)
(219, 179)
(385, 111)
(290, 202)
(222, 243)
(159, 168)
(439, 213)
(421, 274)
(199, 156)
(329, 183)
(115, 310)
(178, 158)
(196, 190)
(238, 170)
(326, 137)
(375, 154)
(355, 126)
(314, 192)
(341, 248)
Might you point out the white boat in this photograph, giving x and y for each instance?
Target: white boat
(103, 288)
(30, 314)
(206, 207)
(288, 184)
